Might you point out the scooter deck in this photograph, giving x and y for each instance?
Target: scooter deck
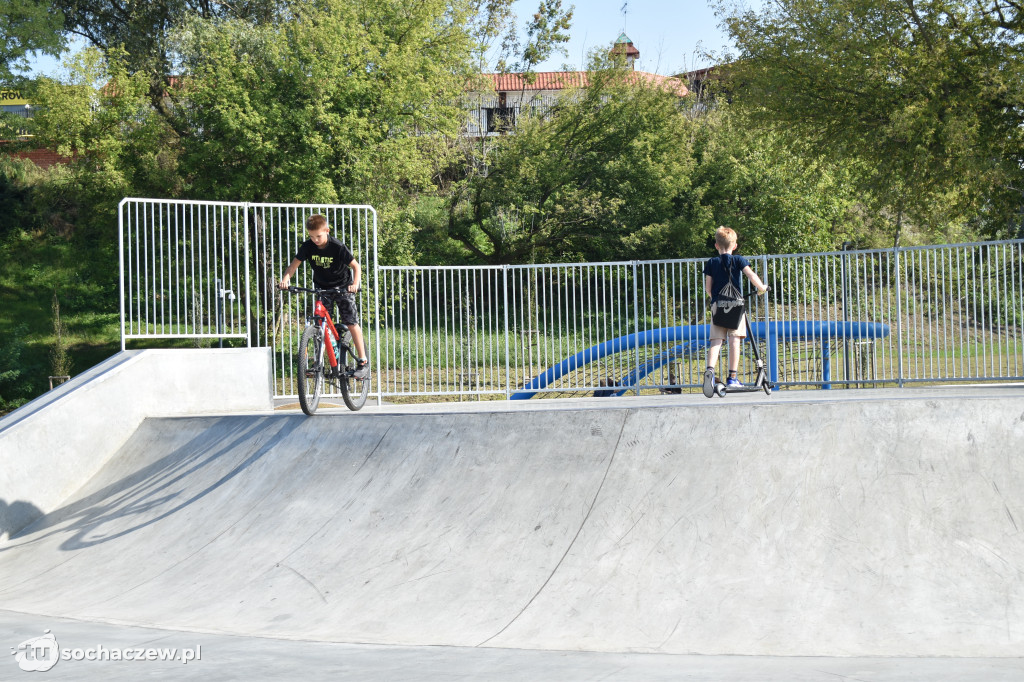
(721, 389)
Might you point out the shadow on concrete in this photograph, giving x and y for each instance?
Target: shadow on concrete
(14, 516)
(144, 492)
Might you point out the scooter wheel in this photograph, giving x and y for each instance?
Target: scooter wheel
(720, 390)
(767, 389)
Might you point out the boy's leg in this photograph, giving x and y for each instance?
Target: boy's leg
(348, 313)
(734, 360)
(714, 347)
(357, 340)
(734, 354)
(362, 368)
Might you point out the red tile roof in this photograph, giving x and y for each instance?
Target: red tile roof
(548, 80)
(560, 80)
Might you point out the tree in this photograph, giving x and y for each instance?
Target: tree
(342, 104)
(350, 102)
(140, 29)
(27, 26)
(779, 200)
(546, 32)
(924, 95)
(100, 117)
(574, 182)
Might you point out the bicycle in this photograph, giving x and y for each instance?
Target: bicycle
(318, 362)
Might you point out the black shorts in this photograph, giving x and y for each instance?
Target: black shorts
(348, 310)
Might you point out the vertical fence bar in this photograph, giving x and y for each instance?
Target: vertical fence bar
(899, 318)
(121, 269)
(636, 324)
(246, 291)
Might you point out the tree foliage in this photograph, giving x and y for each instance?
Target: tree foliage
(780, 201)
(27, 26)
(348, 95)
(925, 95)
(574, 181)
(15, 376)
(99, 117)
(547, 31)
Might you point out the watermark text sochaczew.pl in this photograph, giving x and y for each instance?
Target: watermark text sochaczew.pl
(39, 654)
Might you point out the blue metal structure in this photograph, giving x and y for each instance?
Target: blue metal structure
(695, 337)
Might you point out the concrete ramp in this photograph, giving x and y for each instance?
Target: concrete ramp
(867, 527)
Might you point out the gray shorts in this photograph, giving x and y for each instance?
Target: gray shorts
(348, 309)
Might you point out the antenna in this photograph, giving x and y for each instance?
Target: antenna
(625, 11)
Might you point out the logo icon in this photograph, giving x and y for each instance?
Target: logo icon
(38, 654)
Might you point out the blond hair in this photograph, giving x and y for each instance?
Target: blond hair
(725, 237)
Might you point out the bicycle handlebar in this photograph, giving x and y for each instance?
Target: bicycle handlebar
(335, 290)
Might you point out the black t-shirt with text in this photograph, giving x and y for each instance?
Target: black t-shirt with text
(330, 264)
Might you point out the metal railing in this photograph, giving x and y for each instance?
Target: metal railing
(183, 270)
(207, 271)
(839, 319)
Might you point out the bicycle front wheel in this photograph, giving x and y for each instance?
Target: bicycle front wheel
(311, 369)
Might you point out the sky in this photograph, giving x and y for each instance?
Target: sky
(670, 34)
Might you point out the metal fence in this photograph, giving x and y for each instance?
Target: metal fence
(207, 271)
(840, 319)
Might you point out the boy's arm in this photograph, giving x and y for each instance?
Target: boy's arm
(356, 274)
(283, 284)
(755, 280)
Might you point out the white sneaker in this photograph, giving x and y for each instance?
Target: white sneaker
(709, 382)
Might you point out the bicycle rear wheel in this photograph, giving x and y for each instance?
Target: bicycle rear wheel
(353, 390)
(311, 369)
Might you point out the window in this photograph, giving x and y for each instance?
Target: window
(500, 119)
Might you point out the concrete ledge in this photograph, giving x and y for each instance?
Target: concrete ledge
(54, 444)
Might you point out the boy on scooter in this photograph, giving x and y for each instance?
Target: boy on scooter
(718, 271)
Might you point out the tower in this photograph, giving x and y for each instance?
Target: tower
(624, 46)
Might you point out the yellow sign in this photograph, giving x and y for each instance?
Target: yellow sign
(12, 98)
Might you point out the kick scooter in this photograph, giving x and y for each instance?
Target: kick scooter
(761, 381)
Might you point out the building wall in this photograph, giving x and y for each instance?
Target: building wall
(44, 158)
(11, 102)
(537, 101)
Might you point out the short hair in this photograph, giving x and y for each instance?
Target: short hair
(725, 237)
(315, 222)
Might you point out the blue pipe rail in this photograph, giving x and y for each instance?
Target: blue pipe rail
(637, 374)
(696, 336)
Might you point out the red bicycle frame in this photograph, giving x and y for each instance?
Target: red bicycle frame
(327, 324)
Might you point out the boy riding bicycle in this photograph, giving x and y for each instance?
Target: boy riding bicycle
(334, 266)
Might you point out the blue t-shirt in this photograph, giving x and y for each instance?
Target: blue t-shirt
(719, 267)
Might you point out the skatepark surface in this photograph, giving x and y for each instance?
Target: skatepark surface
(812, 535)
